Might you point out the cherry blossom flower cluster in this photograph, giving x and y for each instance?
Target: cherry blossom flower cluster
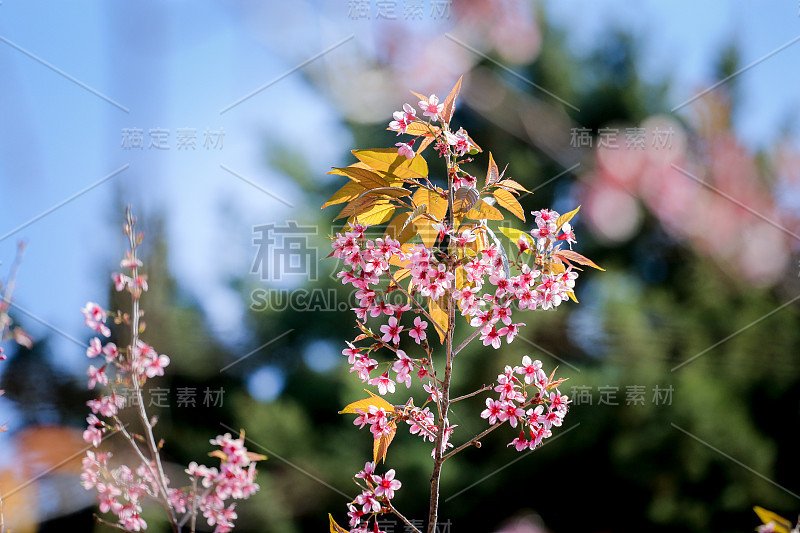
(376, 493)
(121, 490)
(535, 412)
(460, 141)
(464, 269)
(234, 479)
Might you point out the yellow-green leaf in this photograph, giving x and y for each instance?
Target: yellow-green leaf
(336, 528)
(566, 217)
(376, 214)
(511, 184)
(484, 210)
(781, 524)
(395, 166)
(450, 101)
(381, 446)
(359, 205)
(507, 200)
(366, 178)
(492, 173)
(349, 192)
(426, 231)
(512, 233)
(572, 296)
(577, 258)
(439, 314)
(398, 229)
(437, 206)
(364, 404)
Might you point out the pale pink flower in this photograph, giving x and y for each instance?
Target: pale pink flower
(431, 107)
(386, 485)
(405, 149)
(418, 331)
(391, 332)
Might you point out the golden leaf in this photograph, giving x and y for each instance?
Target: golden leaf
(507, 200)
(439, 314)
(569, 255)
(349, 192)
(336, 528)
(376, 214)
(566, 217)
(364, 404)
(395, 166)
(484, 210)
(449, 102)
(367, 178)
(492, 173)
(381, 446)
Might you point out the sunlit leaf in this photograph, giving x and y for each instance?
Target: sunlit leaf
(336, 528)
(349, 192)
(566, 217)
(395, 166)
(577, 258)
(381, 446)
(507, 200)
(492, 173)
(377, 214)
(364, 404)
(511, 184)
(483, 210)
(781, 524)
(512, 233)
(366, 178)
(449, 102)
(438, 312)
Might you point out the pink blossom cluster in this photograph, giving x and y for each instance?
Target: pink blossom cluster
(121, 489)
(515, 404)
(376, 492)
(234, 479)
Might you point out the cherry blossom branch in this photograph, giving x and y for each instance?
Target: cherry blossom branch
(444, 400)
(411, 298)
(401, 517)
(467, 341)
(471, 394)
(161, 478)
(474, 441)
(107, 523)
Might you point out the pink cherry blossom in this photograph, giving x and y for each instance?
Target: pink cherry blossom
(418, 331)
(406, 150)
(386, 485)
(391, 332)
(431, 107)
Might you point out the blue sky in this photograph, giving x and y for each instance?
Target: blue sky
(176, 64)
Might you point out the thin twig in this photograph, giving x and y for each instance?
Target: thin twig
(467, 341)
(401, 517)
(424, 312)
(471, 394)
(107, 523)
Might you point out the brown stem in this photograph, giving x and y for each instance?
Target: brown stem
(161, 478)
(467, 341)
(444, 401)
(403, 518)
(471, 394)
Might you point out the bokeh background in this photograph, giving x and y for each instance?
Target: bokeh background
(674, 125)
